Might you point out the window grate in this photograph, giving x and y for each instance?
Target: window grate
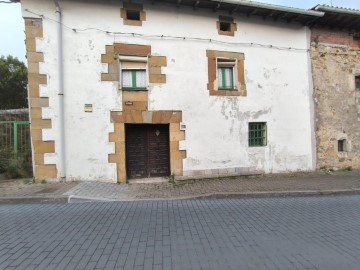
(257, 134)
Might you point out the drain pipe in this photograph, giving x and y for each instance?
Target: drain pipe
(62, 159)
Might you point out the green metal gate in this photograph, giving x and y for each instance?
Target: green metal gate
(15, 138)
(15, 148)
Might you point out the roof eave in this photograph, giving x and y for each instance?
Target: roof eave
(336, 10)
(272, 7)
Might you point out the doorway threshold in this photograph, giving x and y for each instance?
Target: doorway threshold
(150, 180)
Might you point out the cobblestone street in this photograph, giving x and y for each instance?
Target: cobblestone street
(259, 233)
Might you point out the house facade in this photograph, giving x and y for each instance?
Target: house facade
(122, 90)
(335, 54)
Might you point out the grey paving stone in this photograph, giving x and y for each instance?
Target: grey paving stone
(120, 262)
(102, 261)
(110, 265)
(83, 262)
(90, 266)
(63, 263)
(139, 259)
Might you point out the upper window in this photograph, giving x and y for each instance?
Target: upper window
(257, 134)
(133, 73)
(226, 26)
(357, 83)
(133, 79)
(226, 75)
(133, 14)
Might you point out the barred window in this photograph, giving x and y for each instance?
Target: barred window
(257, 134)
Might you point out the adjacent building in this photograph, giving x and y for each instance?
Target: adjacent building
(335, 55)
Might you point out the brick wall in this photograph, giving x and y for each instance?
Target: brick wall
(335, 37)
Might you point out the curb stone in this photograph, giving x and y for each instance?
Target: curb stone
(222, 195)
(34, 200)
(275, 194)
(83, 199)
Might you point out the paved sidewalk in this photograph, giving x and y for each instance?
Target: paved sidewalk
(25, 191)
(268, 185)
(342, 182)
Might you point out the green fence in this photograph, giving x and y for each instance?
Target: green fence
(15, 144)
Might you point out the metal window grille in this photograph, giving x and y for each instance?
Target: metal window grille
(257, 134)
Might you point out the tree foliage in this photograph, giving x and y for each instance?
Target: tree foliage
(13, 81)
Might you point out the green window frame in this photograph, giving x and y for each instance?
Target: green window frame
(134, 74)
(227, 75)
(227, 78)
(257, 134)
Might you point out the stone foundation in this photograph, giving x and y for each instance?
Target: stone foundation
(213, 173)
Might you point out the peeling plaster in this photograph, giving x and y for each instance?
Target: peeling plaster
(91, 45)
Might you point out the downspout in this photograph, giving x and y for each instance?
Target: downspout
(62, 159)
(311, 103)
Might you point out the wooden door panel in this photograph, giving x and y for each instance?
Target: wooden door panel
(158, 151)
(147, 151)
(136, 152)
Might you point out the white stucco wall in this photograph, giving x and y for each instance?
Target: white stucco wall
(277, 81)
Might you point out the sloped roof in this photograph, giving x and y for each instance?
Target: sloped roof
(337, 9)
(338, 17)
(249, 8)
(252, 8)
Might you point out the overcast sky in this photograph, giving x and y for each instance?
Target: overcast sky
(12, 25)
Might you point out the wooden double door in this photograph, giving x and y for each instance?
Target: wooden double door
(147, 150)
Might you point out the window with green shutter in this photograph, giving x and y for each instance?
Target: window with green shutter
(225, 73)
(133, 79)
(226, 78)
(257, 134)
(133, 73)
